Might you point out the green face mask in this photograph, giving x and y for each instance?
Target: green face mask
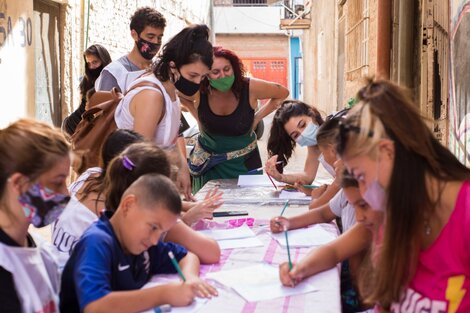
(222, 84)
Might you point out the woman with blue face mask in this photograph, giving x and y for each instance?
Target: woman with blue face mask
(227, 111)
(34, 166)
(294, 123)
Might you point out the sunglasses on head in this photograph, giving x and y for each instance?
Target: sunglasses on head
(344, 129)
(338, 115)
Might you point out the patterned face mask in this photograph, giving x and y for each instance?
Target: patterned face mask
(41, 205)
(147, 49)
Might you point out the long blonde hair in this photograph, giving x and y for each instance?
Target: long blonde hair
(386, 110)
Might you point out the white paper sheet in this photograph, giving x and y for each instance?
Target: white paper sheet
(233, 233)
(194, 307)
(305, 237)
(234, 238)
(240, 243)
(294, 195)
(261, 282)
(256, 180)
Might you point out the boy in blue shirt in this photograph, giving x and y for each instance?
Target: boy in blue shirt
(119, 254)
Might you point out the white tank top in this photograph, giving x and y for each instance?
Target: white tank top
(35, 274)
(166, 132)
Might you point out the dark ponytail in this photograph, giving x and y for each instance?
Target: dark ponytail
(188, 46)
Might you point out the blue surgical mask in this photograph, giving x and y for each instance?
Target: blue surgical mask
(330, 169)
(308, 136)
(375, 194)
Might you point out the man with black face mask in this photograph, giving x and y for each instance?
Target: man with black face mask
(147, 26)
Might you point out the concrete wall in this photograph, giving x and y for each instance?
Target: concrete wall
(16, 60)
(354, 81)
(108, 25)
(319, 57)
(248, 20)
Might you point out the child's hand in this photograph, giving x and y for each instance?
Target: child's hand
(271, 169)
(279, 224)
(317, 192)
(289, 278)
(203, 209)
(300, 187)
(201, 288)
(179, 294)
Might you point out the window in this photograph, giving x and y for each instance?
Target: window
(357, 38)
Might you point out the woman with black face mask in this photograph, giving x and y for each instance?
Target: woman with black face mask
(153, 108)
(96, 57)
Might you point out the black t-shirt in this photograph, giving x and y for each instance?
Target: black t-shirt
(8, 296)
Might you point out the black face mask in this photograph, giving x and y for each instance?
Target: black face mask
(94, 73)
(147, 49)
(186, 87)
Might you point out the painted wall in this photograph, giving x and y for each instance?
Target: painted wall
(459, 104)
(247, 20)
(295, 68)
(16, 60)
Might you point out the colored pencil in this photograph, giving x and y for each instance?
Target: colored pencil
(176, 265)
(261, 168)
(288, 251)
(272, 181)
(285, 207)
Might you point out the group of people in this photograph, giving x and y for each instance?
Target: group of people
(400, 198)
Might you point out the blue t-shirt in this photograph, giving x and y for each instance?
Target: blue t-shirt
(98, 266)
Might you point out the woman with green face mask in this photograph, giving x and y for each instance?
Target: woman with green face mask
(227, 111)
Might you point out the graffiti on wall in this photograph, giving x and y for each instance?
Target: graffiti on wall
(459, 107)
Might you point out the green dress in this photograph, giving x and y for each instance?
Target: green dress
(225, 133)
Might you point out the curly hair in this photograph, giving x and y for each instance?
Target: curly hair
(147, 16)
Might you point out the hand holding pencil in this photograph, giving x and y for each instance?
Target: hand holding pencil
(291, 277)
(270, 168)
(280, 223)
(199, 287)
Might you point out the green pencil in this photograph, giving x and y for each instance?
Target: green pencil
(176, 265)
(288, 251)
(285, 207)
(310, 186)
